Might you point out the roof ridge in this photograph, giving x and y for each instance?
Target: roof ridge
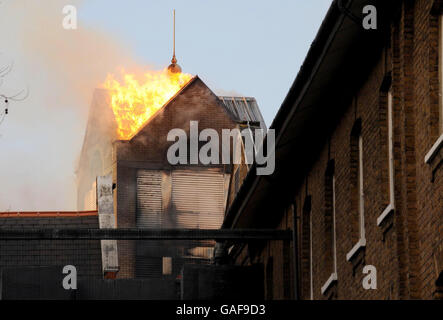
(192, 80)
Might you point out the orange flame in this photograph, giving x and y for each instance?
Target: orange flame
(134, 102)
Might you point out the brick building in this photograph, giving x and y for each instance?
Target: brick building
(152, 193)
(86, 255)
(147, 192)
(358, 162)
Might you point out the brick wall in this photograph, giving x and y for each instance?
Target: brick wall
(85, 255)
(406, 247)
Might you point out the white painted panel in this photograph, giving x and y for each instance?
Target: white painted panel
(107, 221)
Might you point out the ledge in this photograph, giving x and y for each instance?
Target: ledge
(434, 149)
(360, 244)
(240, 235)
(43, 214)
(389, 209)
(331, 280)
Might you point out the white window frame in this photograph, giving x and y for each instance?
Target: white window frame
(333, 277)
(391, 206)
(361, 206)
(439, 143)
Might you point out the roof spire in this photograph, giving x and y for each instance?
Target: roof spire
(174, 67)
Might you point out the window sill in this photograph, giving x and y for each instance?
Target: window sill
(434, 150)
(332, 279)
(389, 209)
(359, 245)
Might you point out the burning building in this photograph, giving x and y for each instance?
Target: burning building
(125, 181)
(126, 137)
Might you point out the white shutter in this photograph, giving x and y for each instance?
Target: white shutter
(149, 199)
(198, 198)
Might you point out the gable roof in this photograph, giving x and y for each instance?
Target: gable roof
(240, 109)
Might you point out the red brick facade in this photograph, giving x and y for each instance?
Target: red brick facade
(406, 247)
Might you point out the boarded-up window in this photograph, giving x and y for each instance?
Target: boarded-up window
(197, 198)
(189, 199)
(149, 199)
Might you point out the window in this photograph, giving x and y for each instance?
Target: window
(167, 265)
(286, 269)
(306, 251)
(390, 159)
(329, 256)
(361, 206)
(391, 147)
(357, 194)
(440, 63)
(439, 133)
(270, 279)
(334, 231)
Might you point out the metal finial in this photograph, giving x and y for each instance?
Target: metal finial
(174, 67)
(174, 59)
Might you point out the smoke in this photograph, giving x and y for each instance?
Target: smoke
(227, 93)
(41, 137)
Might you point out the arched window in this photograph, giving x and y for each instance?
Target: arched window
(357, 215)
(329, 238)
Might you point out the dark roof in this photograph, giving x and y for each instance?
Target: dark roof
(339, 60)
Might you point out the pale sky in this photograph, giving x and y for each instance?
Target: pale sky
(251, 48)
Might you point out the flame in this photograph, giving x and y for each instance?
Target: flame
(134, 102)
